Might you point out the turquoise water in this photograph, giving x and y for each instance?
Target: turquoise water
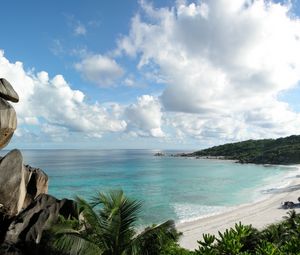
(178, 188)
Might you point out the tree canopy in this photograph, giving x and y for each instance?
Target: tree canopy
(266, 151)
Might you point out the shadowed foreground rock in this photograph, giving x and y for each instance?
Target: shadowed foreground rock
(8, 249)
(24, 234)
(29, 225)
(36, 183)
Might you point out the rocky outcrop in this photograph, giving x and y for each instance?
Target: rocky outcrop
(29, 225)
(12, 183)
(36, 183)
(7, 92)
(19, 184)
(8, 122)
(8, 117)
(159, 154)
(26, 211)
(10, 249)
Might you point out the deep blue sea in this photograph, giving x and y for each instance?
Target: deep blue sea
(182, 189)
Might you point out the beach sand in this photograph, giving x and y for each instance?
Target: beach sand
(258, 214)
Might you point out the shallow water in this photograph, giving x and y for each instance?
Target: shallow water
(182, 189)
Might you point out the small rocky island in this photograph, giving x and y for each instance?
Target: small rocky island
(26, 210)
(159, 154)
(265, 151)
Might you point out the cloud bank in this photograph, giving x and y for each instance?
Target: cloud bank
(225, 65)
(53, 106)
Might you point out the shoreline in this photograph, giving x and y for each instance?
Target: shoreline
(259, 214)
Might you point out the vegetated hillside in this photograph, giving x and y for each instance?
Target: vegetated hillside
(266, 151)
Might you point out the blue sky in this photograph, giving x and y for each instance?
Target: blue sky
(151, 74)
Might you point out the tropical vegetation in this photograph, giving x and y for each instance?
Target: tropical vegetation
(266, 151)
(277, 239)
(108, 226)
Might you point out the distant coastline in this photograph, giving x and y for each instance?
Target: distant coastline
(281, 151)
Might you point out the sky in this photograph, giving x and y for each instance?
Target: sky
(151, 74)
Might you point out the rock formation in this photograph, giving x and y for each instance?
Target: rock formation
(8, 117)
(25, 208)
(8, 122)
(7, 92)
(28, 226)
(12, 183)
(36, 183)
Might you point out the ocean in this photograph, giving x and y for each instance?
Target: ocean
(183, 189)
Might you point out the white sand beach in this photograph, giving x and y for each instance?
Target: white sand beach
(259, 214)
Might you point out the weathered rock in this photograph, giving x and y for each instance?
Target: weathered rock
(12, 183)
(10, 249)
(8, 122)
(29, 225)
(19, 185)
(4, 224)
(36, 183)
(7, 91)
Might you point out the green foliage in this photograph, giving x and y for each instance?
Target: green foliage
(107, 226)
(155, 241)
(267, 151)
(277, 239)
(174, 249)
(238, 240)
(267, 248)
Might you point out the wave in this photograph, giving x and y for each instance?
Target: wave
(275, 184)
(187, 212)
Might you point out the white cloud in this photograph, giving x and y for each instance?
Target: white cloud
(145, 117)
(31, 120)
(224, 63)
(61, 109)
(99, 69)
(59, 112)
(80, 29)
(129, 82)
(57, 48)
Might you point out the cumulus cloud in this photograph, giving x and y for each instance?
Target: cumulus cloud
(145, 117)
(53, 106)
(224, 63)
(99, 69)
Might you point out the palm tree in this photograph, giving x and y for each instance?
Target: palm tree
(107, 228)
(292, 220)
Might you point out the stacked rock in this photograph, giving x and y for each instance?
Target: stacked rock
(19, 184)
(26, 209)
(8, 117)
(12, 184)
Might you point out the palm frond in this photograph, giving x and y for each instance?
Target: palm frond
(155, 235)
(89, 216)
(118, 215)
(107, 227)
(71, 242)
(95, 225)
